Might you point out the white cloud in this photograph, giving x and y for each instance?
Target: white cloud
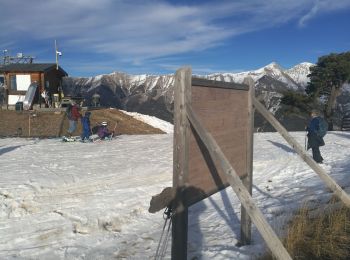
(323, 6)
(136, 31)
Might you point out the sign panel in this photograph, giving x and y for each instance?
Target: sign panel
(23, 82)
(223, 110)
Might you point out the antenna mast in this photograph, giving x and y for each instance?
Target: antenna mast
(19, 58)
(57, 53)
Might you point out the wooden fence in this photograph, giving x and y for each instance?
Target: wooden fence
(213, 147)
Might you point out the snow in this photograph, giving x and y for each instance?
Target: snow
(152, 121)
(297, 74)
(138, 79)
(90, 200)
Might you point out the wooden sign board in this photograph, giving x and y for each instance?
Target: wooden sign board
(214, 121)
(223, 110)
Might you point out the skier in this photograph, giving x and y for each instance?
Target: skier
(103, 131)
(73, 115)
(315, 138)
(85, 123)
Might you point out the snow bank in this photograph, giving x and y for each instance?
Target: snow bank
(153, 121)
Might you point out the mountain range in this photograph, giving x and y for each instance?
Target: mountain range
(295, 78)
(154, 94)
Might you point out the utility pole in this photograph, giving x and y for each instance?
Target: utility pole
(57, 53)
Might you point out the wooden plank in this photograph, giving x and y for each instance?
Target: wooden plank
(223, 113)
(180, 163)
(60, 129)
(257, 217)
(35, 77)
(338, 191)
(246, 223)
(217, 84)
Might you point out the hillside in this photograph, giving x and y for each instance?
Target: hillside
(154, 95)
(54, 124)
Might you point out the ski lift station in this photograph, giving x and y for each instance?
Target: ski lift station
(25, 82)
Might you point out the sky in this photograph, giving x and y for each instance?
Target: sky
(93, 203)
(159, 36)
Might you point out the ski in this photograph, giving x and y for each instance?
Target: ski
(70, 139)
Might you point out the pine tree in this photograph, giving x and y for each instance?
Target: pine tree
(327, 78)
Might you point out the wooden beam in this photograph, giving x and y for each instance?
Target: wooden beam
(246, 223)
(338, 191)
(217, 84)
(180, 163)
(257, 217)
(60, 129)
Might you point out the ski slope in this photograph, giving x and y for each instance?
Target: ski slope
(90, 200)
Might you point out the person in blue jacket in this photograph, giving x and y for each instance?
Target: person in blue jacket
(314, 140)
(85, 122)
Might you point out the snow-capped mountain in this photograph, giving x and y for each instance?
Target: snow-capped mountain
(290, 77)
(154, 95)
(299, 73)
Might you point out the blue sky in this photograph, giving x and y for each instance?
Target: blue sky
(157, 37)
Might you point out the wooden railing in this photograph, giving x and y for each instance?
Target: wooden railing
(186, 119)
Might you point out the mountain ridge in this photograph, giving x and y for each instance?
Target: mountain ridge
(154, 94)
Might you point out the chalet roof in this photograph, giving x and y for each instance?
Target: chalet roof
(30, 67)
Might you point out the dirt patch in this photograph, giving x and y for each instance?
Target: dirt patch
(55, 123)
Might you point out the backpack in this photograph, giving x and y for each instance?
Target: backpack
(322, 127)
(69, 111)
(94, 130)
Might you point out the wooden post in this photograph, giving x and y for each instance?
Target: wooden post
(29, 125)
(60, 129)
(182, 90)
(56, 54)
(338, 191)
(246, 223)
(218, 156)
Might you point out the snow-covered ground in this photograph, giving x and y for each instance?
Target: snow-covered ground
(90, 200)
(153, 121)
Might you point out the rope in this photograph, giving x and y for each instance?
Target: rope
(163, 241)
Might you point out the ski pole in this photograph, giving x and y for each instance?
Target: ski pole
(115, 126)
(306, 141)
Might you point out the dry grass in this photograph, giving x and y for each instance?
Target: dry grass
(321, 234)
(42, 123)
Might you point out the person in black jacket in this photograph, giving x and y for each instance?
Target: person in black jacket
(314, 140)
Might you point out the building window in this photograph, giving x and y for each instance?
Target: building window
(13, 83)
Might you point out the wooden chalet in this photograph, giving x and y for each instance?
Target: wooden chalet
(19, 76)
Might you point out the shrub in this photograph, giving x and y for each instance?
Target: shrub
(319, 236)
(298, 100)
